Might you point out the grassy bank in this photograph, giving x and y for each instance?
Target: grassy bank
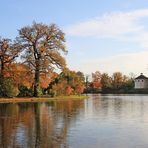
(42, 99)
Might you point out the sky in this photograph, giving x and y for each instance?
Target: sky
(101, 35)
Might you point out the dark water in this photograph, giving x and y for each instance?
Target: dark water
(107, 121)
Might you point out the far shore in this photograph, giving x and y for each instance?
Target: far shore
(41, 99)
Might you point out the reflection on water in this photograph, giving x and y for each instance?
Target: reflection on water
(105, 121)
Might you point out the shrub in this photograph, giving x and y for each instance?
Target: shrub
(8, 88)
(40, 91)
(53, 93)
(25, 91)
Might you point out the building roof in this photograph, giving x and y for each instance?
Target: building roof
(141, 77)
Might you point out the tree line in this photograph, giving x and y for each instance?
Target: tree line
(29, 63)
(105, 83)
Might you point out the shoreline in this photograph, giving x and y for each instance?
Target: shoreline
(41, 99)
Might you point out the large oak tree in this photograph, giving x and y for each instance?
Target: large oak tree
(9, 50)
(43, 49)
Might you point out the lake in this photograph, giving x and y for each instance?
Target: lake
(101, 121)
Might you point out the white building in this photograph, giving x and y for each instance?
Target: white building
(141, 82)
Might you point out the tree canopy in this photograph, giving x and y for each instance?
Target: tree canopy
(43, 47)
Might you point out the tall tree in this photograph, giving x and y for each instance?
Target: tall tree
(106, 81)
(81, 75)
(43, 45)
(8, 52)
(117, 80)
(96, 80)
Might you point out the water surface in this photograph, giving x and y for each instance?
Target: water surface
(101, 121)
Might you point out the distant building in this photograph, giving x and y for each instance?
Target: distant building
(141, 82)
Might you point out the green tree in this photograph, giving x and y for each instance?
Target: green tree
(117, 80)
(128, 83)
(43, 48)
(106, 81)
(81, 75)
(8, 89)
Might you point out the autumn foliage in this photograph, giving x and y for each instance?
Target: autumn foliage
(40, 50)
(105, 83)
(67, 83)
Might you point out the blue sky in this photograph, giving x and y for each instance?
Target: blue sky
(104, 35)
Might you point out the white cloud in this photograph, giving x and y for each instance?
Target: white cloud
(126, 63)
(123, 26)
(129, 27)
(110, 25)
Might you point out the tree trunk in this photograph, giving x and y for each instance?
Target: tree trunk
(2, 69)
(2, 79)
(37, 79)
